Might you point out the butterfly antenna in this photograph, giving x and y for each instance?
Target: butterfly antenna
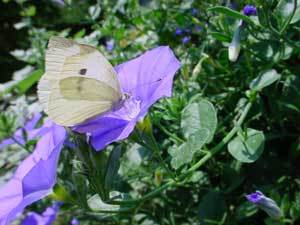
(143, 85)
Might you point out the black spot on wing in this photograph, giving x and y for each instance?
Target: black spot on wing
(82, 71)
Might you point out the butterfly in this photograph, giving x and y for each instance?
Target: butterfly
(78, 84)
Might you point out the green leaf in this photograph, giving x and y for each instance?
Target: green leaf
(184, 153)
(24, 85)
(246, 210)
(212, 208)
(231, 13)
(264, 80)
(113, 165)
(220, 36)
(199, 177)
(269, 50)
(285, 9)
(96, 204)
(249, 148)
(199, 115)
(61, 194)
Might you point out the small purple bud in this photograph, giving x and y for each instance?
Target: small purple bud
(74, 221)
(235, 46)
(178, 31)
(110, 45)
(194, 12)
(233, 6)
(250, 10)
(198, 28)
(187, 30)
(266, 204)
(186, 39)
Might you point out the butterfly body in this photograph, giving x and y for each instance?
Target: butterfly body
(79, 83)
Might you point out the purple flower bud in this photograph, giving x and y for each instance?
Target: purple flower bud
(74, 221)
(194, 12)
(178, 31)
(186, 39)
(250, 10)
(233, 5)
(235, 46)
(46, 218)
(110, 45)
(187, 30)
(266, 204)
(198, 28)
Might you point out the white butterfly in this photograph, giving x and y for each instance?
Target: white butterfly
(79, 83)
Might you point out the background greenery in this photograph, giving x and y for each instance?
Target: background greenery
(210, 94)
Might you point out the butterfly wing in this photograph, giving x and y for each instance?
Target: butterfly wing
(79, 83)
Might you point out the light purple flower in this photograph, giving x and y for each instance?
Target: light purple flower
(250, 10)
(145, 79)
(265, 203)
(47, 217)
(35, 176)
(186, 39)
(30, 130)
(74, 221)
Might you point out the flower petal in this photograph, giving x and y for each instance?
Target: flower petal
(150, 76)
(29, 127)
(146, 79)
(35, 176)
(47, 218)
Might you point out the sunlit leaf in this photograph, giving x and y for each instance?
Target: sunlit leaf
(199, 115)
(248, 148)
(96, 204)
(264, 80)
(184, 153)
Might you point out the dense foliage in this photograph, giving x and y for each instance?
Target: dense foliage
(230, 127)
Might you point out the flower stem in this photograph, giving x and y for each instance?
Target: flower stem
(157, 151)
(201, 162)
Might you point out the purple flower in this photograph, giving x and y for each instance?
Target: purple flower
(186, 39)
(146, 79)
(250, 10)
(35, 176)
(194, 12)
(110, 45)
(178, 31)
(30, 130)
(265, 203)
(198, 28)
(47, 217)
(74, 221)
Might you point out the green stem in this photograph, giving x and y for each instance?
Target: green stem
(287, 22)
(157, 151)
(20, 144)
(83, 153)
(172, 136)
(201, 162)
